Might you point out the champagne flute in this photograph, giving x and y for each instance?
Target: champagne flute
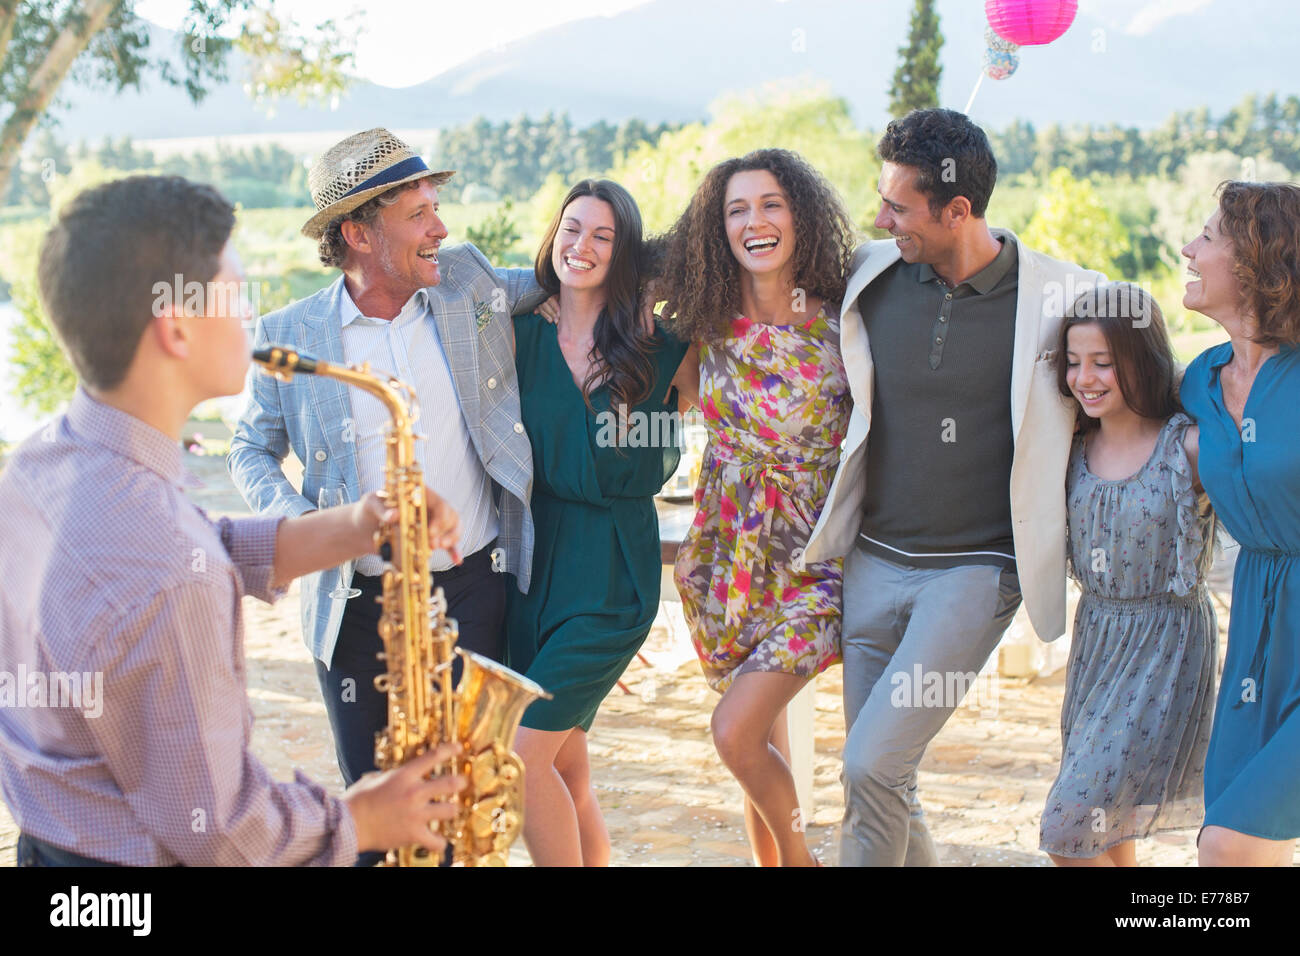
(332, 496)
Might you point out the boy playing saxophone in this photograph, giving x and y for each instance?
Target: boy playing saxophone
(111, 571)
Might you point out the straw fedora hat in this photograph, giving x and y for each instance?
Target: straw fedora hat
(360, 168)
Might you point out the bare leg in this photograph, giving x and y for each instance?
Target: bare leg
(1121, 854)
(575, 770)
(1219, 846)
(1124, 854)
(551, 829)
(1102, 859)
(760, 837)
(742, 732)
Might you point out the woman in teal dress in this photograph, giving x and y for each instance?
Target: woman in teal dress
(1245, 395)
(596, 392)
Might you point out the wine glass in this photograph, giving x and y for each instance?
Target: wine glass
(331, 496)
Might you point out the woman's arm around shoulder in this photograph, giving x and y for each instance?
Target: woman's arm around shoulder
(1192, 445)
(687, 379)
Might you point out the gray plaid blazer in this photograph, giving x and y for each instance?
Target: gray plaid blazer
(472, 305)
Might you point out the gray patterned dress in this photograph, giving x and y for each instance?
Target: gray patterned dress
(1139, 694)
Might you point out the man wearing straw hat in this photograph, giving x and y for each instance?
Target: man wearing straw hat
(438, 318)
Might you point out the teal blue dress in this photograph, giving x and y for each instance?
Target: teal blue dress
(596, 561)
(1252, 768)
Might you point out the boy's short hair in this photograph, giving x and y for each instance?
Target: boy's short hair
(110, 246)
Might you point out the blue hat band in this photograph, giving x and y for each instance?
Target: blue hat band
(390, 175)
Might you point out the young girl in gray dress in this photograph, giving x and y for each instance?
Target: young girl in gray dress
(1139, 693)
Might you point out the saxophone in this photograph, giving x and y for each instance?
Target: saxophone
(482, 714)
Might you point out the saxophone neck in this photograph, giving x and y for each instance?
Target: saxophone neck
(398, 398)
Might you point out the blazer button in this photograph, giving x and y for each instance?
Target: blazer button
(321, 456)
(519, 428)
(491, 383)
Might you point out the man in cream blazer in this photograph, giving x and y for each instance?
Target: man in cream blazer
(949, 501)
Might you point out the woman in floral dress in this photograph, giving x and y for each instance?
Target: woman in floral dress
(754, 271)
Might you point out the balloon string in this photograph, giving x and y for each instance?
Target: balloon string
(971, 101)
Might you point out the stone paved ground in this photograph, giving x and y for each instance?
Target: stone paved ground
(665, 795)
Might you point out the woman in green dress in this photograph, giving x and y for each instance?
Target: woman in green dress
(597, 397)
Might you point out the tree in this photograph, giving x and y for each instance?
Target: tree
(43, 377)
(1181, 205)
(916, 81)
(664, 173)
(1072, 223)
(43, 42)
(1015, 148)
(495, 235)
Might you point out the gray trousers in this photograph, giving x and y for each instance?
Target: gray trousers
(901, 623)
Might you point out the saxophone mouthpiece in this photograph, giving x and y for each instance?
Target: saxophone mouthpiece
(278, 358)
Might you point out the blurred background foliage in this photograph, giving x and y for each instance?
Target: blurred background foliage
(1118, 199)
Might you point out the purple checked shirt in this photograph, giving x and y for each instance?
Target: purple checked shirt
(124, 718)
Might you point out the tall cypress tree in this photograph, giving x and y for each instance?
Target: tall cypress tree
(916, 81)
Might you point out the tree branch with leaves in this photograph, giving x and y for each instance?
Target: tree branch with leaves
(103, 43)
(916, 81)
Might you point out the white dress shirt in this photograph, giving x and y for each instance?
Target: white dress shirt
(407, 347)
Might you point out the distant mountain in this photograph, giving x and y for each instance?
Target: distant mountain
(667, 60)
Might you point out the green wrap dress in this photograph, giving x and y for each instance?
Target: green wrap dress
(596, 563)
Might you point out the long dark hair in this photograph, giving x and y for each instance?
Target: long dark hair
(1134, 328)
(621, 348)
(700, 274)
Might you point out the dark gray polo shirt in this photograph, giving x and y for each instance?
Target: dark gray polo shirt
(940, 446)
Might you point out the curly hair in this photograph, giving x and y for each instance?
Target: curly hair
(621, 348)
(701, 277)
(951, 155)
(1263, 222)
(333, 248)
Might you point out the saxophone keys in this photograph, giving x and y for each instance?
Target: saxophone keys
(508, 775)
(482, 773)
(480, 820)
(491, 823)
(506, 825)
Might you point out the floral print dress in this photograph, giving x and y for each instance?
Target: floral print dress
(1139, 687)
(776, 404)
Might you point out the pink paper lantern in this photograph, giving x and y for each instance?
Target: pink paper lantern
(1030, 22)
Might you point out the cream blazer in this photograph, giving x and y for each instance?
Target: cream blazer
(1042, 425)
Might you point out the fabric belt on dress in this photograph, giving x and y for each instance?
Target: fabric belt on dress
(768, 479)
(1168, 599)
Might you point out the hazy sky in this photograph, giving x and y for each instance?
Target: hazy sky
(403, 43)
